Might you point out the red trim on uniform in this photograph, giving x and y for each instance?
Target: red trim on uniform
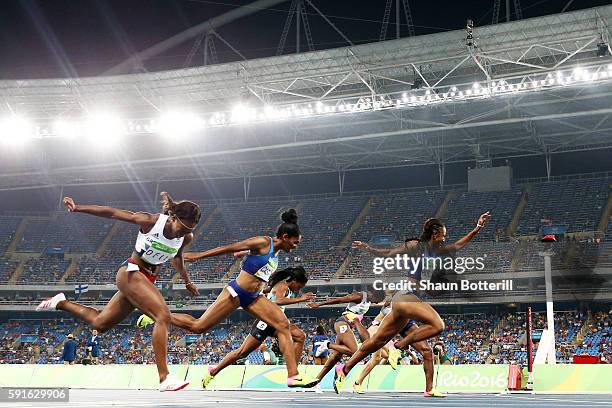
(152, 278)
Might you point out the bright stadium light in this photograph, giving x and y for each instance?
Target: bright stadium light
(175, 124)
(103, 129)
(243, 113)
(15, 131)
(65, 128)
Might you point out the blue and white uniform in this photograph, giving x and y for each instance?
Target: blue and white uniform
(260, 266)
(317, 346)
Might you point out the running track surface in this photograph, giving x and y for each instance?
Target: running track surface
(276, 399)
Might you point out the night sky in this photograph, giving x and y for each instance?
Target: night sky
(67, 38)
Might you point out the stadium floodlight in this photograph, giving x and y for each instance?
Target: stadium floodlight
(103, 129)
(178, 124)
(66, 128)
(15, 130)
(242, 113)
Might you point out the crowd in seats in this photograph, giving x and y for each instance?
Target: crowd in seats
(7, 268)
(73, 232)
(93, 269)
(597, 336)
(8, 227)
(466, 206)
(494, 338)
(466, 337)
(326, 221)
(44, 346)
(577, 204)
(400, 215)
(46, 268)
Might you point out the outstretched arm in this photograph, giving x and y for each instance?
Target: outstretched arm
(353, 297)
(482, 220)
(144, 220)
(253, 245)
(179, 265)
(384, 252)
(281, 290)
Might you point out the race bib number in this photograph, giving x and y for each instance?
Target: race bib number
(262, 325)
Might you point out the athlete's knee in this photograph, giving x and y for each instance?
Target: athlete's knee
(298, 335)
(377, 358)
(283, 326)
(162, 317)
(101, 326)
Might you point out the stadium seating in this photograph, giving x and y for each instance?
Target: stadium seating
(465, 208)
(576, 204)
(8, 227)
(47, 268)
(7, 268)
(468, 338)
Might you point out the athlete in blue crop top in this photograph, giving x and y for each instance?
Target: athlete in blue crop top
(407, 305)
(284, 286)
(246, 290)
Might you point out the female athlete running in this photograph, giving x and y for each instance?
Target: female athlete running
(407, 305)
(392, 354)
(161, 237)
(346, 342)
(245, 290)
(284, 286)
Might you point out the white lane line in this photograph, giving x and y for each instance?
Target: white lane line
(585, 401)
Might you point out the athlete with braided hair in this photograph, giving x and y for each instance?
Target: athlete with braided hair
(407, 305)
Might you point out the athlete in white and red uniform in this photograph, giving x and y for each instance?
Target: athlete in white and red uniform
(161, 238)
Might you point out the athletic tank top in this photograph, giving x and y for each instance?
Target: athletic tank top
(261, 266)
(272, 297)
(360, 308)
(153, 247)
(423, 251)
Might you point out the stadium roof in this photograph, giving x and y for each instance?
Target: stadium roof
(514, 119)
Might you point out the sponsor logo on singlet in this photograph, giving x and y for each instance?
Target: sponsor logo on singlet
(265, 271)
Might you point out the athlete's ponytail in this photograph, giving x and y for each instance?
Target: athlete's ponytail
(167, 203)
(297, 273)
(430, 227)
(289, 225)
(184, 210)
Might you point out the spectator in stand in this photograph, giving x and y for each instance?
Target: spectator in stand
(93, 347)
(320, 354)
(440, 356)
(70, 350)
(269, 357)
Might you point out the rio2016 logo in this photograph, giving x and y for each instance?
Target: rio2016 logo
(475, 379)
